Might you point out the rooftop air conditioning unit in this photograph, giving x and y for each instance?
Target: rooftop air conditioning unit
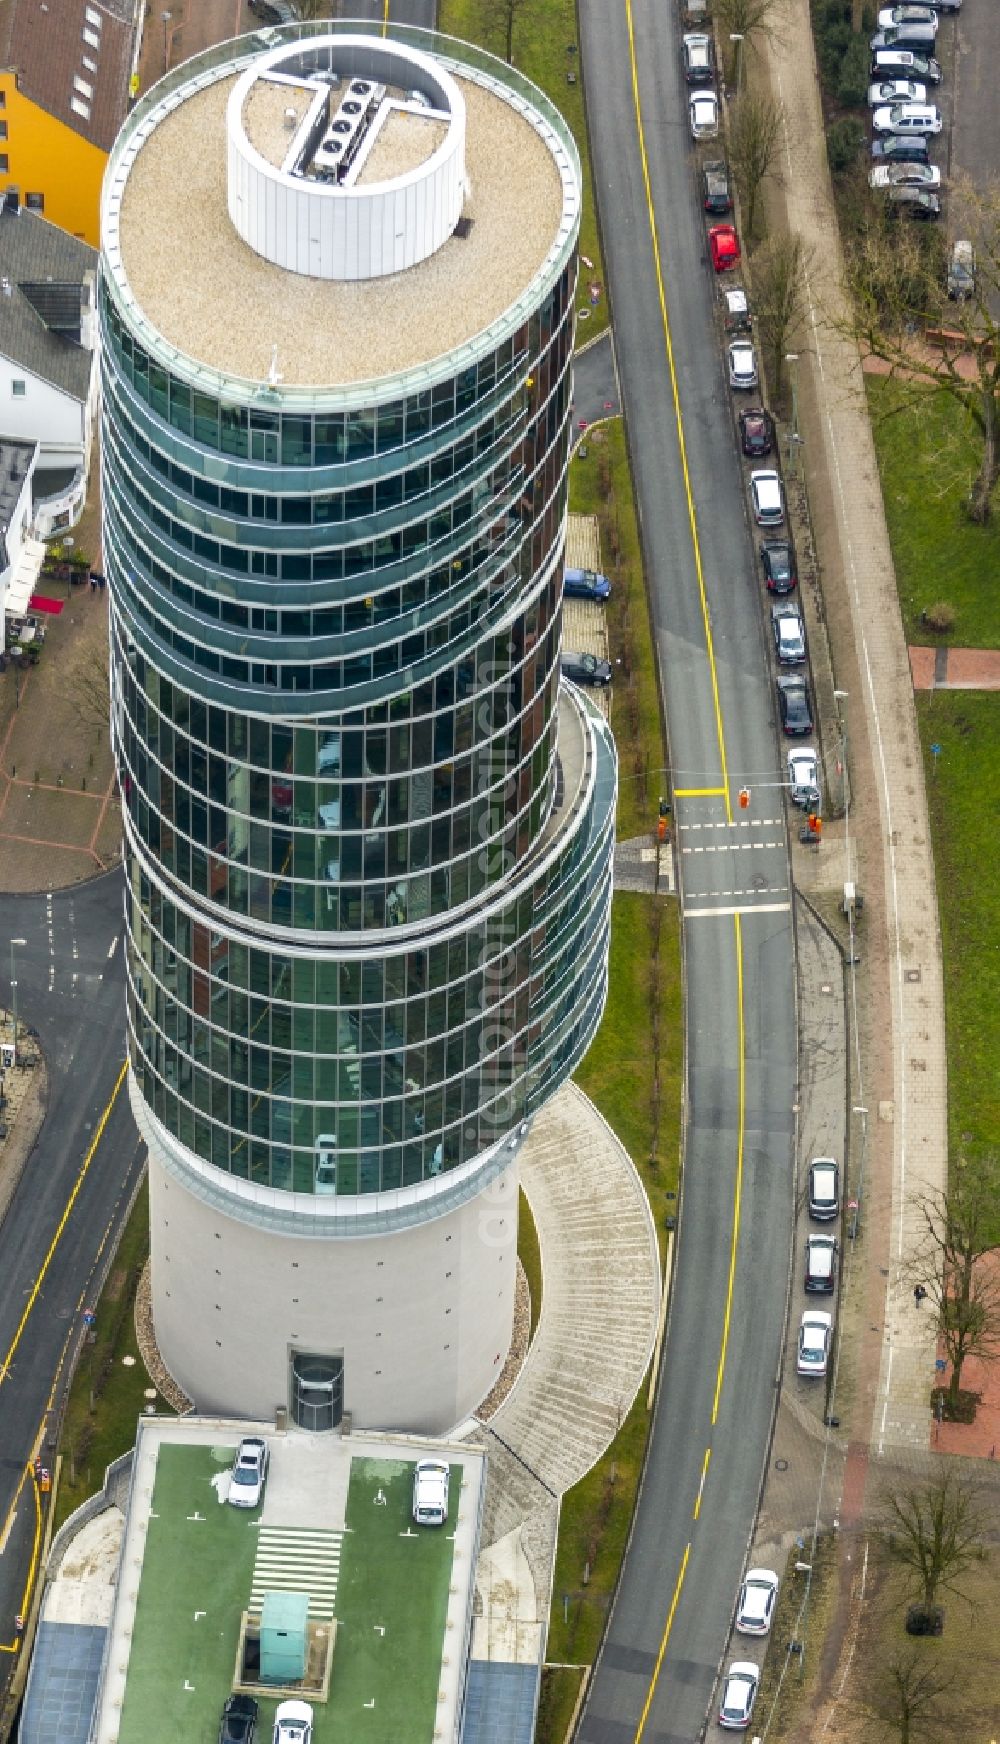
(360, 87)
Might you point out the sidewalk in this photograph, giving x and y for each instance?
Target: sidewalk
(888, 850)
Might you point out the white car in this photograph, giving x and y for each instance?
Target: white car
(925, 16)
(249, 1473)
(739, 1692)
(909, 120)
(755, 1607)
(742, 365)
(703, 113)
(293, 1723)
(789, 634)
(803, 778)
(905, 175)
(430, 1492)
(767, 498)
(815, 1333)
(897, 91)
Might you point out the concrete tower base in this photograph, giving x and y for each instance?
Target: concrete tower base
(421, 1316)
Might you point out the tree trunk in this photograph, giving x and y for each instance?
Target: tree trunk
(955, 1383)
(981, 500)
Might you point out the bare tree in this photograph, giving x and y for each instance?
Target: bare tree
(778, 271)
(501, 17)
(754, 137)
(898, 283)
(959, 1231)
(906, 1697)
(308, 10)
(935, 1529)
(749, 19)
(89, 692)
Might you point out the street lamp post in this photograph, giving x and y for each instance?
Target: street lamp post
(841, 698)
(13, 991)
(166, 17)
(792, 360)
(736, 36)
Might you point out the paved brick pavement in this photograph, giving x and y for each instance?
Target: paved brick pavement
(955, 668)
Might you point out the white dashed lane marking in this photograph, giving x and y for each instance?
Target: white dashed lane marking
(737, 824)
(731, 847)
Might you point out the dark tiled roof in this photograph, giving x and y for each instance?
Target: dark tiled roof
(40, 256)
(46, 47)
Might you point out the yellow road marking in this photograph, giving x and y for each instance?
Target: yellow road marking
(701, 1486)
(700, 793)
(13, 1646)
(663, 1645)
(678, 418)
(64, 1219)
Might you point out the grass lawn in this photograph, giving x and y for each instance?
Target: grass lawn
(600, 484)
(616, 1072)
(960, 781)
(530, 1255)
(560, 1688)
(106, 1394)
(543, 29)
(928, 455)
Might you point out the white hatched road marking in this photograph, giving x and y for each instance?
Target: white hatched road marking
(296, 1560)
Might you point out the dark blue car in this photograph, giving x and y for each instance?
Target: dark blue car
(586, 584)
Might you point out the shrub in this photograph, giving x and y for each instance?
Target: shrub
(939, 617)
(852, 80)
(844, 140)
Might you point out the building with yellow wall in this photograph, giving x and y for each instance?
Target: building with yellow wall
(64, 90)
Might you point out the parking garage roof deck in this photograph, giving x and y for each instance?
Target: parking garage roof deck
(189, 1563)
(216, 301)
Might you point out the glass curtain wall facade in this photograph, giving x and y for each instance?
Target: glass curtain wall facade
(368, 837)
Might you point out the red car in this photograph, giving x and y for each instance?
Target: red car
(724, 246)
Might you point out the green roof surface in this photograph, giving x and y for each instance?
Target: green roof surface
(196, 1577)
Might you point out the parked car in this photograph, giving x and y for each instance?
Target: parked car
(897, 91)
(699, 58)
(907, 118)
(821, 1264)
(756, 433)
(946, 5)
(803, 778)
(793, 705)
(894, 149)
(777, 558)
(905, 175)
(789, 634)
(695, 12)
(723, 246)
(755, 1606)
(716, 195)
(742, 365)
(815, 1334)
(891, 17)
(739, 1692)
(293, 1723)
(703, 114)
(585, 668)
(249, 1473)
(962, 272)
(919, 37)
(736, 314)
(430, 1492)
(767, 499)
(824, 1189)
(239, 1720)
(905, 63)
(912, 203)
(586, 584)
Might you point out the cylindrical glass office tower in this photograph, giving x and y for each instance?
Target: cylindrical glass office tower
(368, 834)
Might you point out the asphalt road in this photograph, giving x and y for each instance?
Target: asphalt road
(693, 1523)
(71, 990)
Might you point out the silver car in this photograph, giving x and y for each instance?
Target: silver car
(742, 365)
(249, 1473)
(803, 778)
(703, 115)
(755, 1606)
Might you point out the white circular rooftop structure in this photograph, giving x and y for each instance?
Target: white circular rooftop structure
(346, 161)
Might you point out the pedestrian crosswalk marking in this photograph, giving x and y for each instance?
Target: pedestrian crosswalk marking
(298, 1560)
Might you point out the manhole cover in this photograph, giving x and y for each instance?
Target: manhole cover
(781, 1465)
(913, 974)
(758, 881)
